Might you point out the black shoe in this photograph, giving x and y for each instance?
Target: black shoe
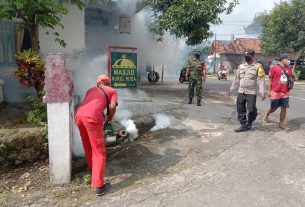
(243, 128)
(190, 100)
(103, 190)
(199, 102)
(249, 125)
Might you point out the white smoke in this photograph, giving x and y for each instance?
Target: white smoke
(211, 62)
(85, 77)
(123, 116)
(128, 6)
(162, 121)
(127, 94)
(131, 128)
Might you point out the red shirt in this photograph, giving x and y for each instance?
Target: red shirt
(94, 103)
(277, 76)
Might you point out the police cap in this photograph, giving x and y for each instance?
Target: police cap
(250, 52)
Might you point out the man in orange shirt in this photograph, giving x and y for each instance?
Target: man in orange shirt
(90, 121)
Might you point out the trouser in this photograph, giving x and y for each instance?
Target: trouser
(195, 84)
(246, 102)
(92, 135)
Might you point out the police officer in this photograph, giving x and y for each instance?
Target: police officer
(248, 76)
(196, 73)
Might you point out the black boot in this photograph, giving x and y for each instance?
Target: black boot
(190, 100)
(242, 128)
(199, 102)
(103, 190)
(249, 125)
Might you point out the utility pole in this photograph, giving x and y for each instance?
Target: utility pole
(215, 54)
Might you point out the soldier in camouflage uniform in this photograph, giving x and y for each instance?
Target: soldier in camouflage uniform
(196, 72)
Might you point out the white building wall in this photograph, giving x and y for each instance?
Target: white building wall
(73, 34)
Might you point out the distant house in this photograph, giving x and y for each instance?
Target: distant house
(232, 52)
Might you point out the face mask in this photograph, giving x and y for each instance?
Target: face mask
(248, 58)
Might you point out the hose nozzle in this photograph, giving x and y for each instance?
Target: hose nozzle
(122, 133)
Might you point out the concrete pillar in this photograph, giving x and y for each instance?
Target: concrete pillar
(58, 96)
(59, 138)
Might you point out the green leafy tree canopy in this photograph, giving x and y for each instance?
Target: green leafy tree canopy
(284, 31)
(189, 19)
(284, 28)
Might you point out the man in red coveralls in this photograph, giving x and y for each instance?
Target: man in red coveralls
(90, 121)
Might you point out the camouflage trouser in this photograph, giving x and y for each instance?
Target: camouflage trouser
(195, 83)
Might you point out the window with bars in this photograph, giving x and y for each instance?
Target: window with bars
(7, 43)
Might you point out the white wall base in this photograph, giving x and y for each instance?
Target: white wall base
(59, 138)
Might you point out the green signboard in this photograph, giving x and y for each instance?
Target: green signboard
(123, 70)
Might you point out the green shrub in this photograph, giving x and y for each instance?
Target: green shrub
(39, 113)
(87, 179)
(38, 116)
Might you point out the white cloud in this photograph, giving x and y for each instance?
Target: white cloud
(242, 15)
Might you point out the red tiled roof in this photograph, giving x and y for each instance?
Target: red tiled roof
(237, 46)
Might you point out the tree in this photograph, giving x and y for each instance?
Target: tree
(284, 30)
(34, 13)
(188, 18)
(256, 27)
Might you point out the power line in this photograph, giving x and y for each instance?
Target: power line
(237, 32)
(233, 25)
(237, 21)
(240, 30)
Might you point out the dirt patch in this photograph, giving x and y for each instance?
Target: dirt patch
(29, 183)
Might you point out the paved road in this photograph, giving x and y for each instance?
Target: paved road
(296, 112)
(201, 161)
